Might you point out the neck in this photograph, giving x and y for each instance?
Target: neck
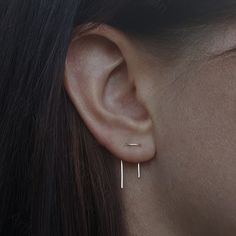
(144, 211)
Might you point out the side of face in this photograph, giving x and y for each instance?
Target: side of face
(195, 131)
(181, 109)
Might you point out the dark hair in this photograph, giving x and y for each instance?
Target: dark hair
(55, 178)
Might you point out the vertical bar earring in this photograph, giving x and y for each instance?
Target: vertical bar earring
(121, 174)
(139, 171)
(122, 166)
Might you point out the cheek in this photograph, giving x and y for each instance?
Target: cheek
(196, 134)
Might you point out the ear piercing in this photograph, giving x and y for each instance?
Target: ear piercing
(122, 166)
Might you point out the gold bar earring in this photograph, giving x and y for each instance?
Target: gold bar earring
(122, 166)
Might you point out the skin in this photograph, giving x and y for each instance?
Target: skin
(181, 109)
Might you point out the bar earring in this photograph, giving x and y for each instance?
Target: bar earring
(121, 174)
(122, 166)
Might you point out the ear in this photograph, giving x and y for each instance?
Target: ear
(101, 77)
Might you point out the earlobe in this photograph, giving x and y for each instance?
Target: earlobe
(101, 85)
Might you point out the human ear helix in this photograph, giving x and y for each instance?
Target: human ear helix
(122, 166)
